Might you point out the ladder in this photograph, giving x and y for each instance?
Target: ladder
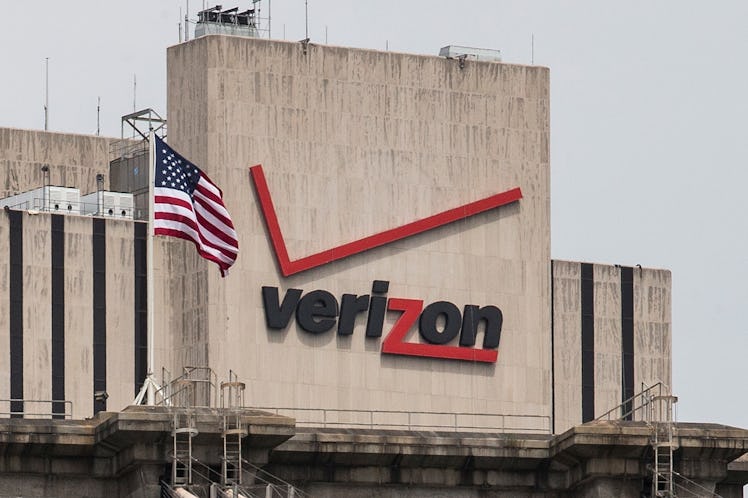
(663, 444)
(232, 401)
(183, 430)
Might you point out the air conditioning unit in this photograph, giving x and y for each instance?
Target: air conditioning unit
(105, 203)
(62, 200)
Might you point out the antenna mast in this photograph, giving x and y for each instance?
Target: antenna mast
(46, 94)
(98, 117)
(186, 21)
(134, 91)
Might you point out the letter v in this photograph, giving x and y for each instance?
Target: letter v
(278, 315)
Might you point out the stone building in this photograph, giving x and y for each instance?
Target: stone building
(394, 325)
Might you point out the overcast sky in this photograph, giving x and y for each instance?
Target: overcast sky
(648, 127)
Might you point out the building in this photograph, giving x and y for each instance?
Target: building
(394, 323)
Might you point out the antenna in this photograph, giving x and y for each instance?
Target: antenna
(268, 19)
(306, 19)
(98, 116)
(532, 49)
(134, 91)
(180, 24)
(46, 94)
(325, 34)
(186, 20)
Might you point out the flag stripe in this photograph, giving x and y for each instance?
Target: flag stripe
(182, 235)
(215, 211)
(212, 234)
(170, 221)
(220, 230)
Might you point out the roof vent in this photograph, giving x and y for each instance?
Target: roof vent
(471, 53)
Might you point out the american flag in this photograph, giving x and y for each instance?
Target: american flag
(188, 205)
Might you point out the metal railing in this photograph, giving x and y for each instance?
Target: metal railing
(406, 420)
(36, 408)
(127, 147)
(639, 407)
(264, 484)
(196, 387)
(689, 488)
(76, 208)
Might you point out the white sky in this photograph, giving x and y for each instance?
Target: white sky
(648, 127)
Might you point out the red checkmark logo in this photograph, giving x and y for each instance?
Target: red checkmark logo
(289, 267)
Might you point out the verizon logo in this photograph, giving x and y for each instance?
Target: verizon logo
(291, 267)
(440, 324)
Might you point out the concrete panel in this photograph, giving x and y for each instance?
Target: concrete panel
(567, 344)
(181, 288)
(120, 314)
(73, 160)
(37, 312)
(355, 142)
(79, 315)
(652, 327)
(608, 338)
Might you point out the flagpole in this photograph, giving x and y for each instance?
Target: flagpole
(150, 386)
(151, 394)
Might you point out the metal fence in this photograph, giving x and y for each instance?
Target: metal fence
(415, 421)
(35, 408)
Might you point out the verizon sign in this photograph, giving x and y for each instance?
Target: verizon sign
(440, 324)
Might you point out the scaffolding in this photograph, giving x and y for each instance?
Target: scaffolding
(232, 401)
(185, 396)
(183, 430)
(662, 423)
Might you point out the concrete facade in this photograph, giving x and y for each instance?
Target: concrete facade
(354, 142)
(593, 460)
(73, 160)
(651, 353)
(75, 316)
(125, 455)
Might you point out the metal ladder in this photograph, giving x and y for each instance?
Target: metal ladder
(232, 401)
(663, 444)
(183, 430)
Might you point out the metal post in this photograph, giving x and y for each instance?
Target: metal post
(99, 194)
(148, 390)
(45, 190)
(151, 395)
(46, 94)
(186, 23)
